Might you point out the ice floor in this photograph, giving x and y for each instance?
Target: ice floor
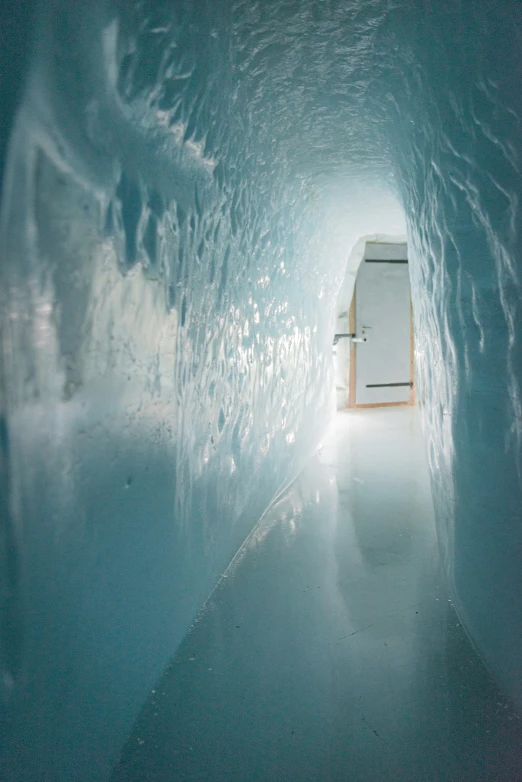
(331, 651)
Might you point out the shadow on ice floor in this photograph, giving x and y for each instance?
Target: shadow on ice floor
(331, 651)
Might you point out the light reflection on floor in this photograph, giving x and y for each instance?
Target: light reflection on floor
(331, 650)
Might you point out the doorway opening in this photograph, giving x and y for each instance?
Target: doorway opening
(381, 370)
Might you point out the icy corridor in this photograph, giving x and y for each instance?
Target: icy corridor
(185, 189)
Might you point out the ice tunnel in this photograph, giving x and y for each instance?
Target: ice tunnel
(183, 184)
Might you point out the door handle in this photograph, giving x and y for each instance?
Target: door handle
(337, 337)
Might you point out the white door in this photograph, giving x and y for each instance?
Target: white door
(382, 319)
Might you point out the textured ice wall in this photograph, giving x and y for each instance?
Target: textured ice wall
(459, 137)
(174, 232)
(184, 184)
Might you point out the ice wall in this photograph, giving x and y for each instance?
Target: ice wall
(459, 134)
(183, 185)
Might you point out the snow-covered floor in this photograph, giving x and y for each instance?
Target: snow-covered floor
(330, 651)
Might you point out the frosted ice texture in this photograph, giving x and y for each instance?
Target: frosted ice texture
(184, 184)
(462, 194)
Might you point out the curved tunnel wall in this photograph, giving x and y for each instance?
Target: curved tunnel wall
(459, 154)
(183, 186)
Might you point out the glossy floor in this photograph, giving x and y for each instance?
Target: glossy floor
(330, 651)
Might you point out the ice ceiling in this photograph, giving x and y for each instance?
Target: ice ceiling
(183, 185)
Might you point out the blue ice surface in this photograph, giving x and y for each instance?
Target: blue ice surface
(182, 186)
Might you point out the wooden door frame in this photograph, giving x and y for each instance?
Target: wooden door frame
(353, 353)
